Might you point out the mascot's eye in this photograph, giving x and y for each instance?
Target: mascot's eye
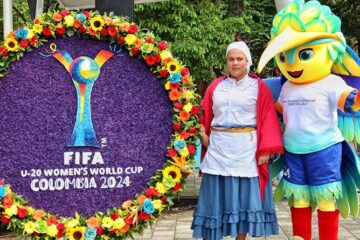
(306, 54)
(282, 57)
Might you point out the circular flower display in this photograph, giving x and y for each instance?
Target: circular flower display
(117, 217)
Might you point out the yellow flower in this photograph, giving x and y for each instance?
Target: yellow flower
(11, 210)
(37, 28)
(97, 23)
(107, 223)
(160, 188)
(165, 54)
(76, 233)
(184, 152)
(173, 172)
(69, 20)
(29, 227)
(188, 95)
(119, 223)
(31, 210)
(30, 34)
(167, 85)
(130, 39)
(11, 44)
(72, 223)
(173, 67)
(52, 230)
(187, 107)
(157, 204)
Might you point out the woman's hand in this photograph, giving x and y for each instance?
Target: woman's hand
(264, 158)
(203, 137)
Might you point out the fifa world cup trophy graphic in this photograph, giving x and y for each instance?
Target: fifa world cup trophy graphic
(84, 71)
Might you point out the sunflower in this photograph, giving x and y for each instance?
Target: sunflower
(173, 67)
(172, 171)
(11, 44)
(76, 233)
(97, 23)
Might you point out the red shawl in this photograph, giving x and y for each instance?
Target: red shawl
(268, 128)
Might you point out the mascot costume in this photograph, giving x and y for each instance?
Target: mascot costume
(319, 78)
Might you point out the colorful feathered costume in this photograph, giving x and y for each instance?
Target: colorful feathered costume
(320, 167)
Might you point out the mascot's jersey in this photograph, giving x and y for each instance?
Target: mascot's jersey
(310, 113)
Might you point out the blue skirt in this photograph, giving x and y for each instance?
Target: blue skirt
(228, 206)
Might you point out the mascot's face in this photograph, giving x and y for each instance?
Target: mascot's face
(306, 63)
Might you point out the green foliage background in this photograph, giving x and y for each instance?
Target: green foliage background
(198, 31)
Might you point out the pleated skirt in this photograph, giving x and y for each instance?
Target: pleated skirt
(228, 206)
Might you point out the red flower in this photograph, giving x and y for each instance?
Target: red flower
(3, 52)
(4, 219)
(21, 212)
(99, 230)
(177, 187)
(112, 31)
(64, 13)
(164, 200)
(178, 105)
(103, 32)
(135, 51)
(24, 43)
(192, 149)
(33, 41)
(133, 28)
(149, 40)
(46, 32)
(129, 219)
(176, 127)
(163, 73)
(111, 232)
(82, 29)
(150, 60)
(1, 181)
(144, 216)
(184, 135)
(162, 45)
(174, 86)
(150, 192)
(172, 152)
(114, 216)
(52, 220)
(193, 131)
(120, 39)
(86, 13)
(195, 110)
(60, 31)
(157, 58)
(185, 71)
(77, 24)
(60, 233)
(60, 227)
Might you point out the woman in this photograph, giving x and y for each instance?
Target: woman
(241, 131)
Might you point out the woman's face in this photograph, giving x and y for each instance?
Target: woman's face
(236, 63)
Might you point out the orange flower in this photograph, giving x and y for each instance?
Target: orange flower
(126, 204)
(167, 60)
(138, 43)
(57, 17)
(38, 214)
(125, 228)
(77, 24)
(91, 31)
(7, 201)
(124, 26)
(108, 21)
(92, 222)
(140, 200)
(184, 116)
(185, 79)
(174, 95)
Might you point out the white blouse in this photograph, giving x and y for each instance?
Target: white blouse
(234, 106)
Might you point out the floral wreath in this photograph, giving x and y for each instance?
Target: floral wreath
(133, 215)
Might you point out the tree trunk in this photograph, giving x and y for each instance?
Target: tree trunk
(236, 7)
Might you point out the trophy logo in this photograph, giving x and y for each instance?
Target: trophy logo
(84, 71)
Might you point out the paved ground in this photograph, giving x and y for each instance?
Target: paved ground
(175, 225)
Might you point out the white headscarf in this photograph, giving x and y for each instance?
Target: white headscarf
(242, 47)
